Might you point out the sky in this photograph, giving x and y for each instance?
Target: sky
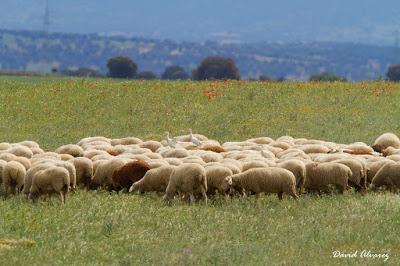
(363, 21)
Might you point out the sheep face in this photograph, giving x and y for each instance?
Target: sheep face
(226, 184)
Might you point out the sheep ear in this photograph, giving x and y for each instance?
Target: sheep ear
(229, 180)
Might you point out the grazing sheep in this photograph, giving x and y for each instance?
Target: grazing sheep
(84, 171)
(314, 148)
(104, 172)
(254, 164)
(51, 180)
(386, 140)
(193, 159)
(2, 164)
(358, 179)
(37, 151)
(101, 157)
(93, 139)
(91, 153)
(126, 141)
(390, 151)
(13, 176)
(20, 150)
(175, 153)
(374, 168)
(358, 149)
(267, 180)
(320, 175)
(261, 140)
(129, 173)
(152, 155)
(24, 161)
(30, 173)
(5, 146)
(210, 157)
(388, 176)
(154, 180)
(280, 144)
(173, 161)
(216, 179)
(186, 138)
(188, 179)
(298, 168)
(66, 157)
(71, 149)
(213, 148)
(29, 143)
(151, 145)
(394, 157)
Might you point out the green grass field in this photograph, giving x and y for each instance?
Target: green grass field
(96, 228)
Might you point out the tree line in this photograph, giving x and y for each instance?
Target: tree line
(211, 68)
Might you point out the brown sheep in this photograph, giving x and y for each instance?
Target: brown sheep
(129, 173)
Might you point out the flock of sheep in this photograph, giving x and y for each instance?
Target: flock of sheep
(192, 167)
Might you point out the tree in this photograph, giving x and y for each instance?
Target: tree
(121, 67)
(265, 78)
(174, 73)
(393, 73)
(82, 72)
(216, 67)
(325, 76)
(146, 75)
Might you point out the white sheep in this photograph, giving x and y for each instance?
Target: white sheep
(71, 149)
(13, 176)
(51, 180)
(216, 179)
(265, 180)
(320, 175)
(298, 168)
(188, 179)
(154, 180)
(386, 140)
(388, 176)
(84, 170)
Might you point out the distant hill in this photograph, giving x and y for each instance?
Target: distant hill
(361, 21)
(37, 51)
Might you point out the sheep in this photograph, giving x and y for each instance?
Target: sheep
(213, 148)
(210, 157)
(390, 151)
(320, 175)
(314, 148)
(358, 179)
(386, 140)
(101, 157)
(7, 157)
(125, 141)
(91, 153)
(175, 153)
(51, 180)
(93, 139)
(298, 168)
(13, 176)
(374, 168)
(152, 155)
(129, 173)
(280, 144)
(151, 145)
(66, 157)
(71, 149)
(154, 180)
(29, 143)
(20, 150)
(358, 149)
(394, 157)
(2, 164)
(37, 151)
(173, 161)
(261, 140)
(46, 155)
(193, 159)
(267, 180)
(24, 161)
(388, 176)
(253, 164)
(30, 173)
(84, 170)
(287, 139)
(188, 179)
(104, 171)
(5, 146)
(215, 179)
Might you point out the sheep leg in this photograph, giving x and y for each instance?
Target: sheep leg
(203, 192)
(192, 198)
(280, 195)
(62, 198)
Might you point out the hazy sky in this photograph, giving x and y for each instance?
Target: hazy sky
(224, 20)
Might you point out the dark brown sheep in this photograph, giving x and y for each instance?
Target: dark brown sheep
(131, 172)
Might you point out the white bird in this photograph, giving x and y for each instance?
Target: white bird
(193, 139)
(171, 142)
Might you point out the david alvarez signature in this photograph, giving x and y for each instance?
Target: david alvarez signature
(366, 254)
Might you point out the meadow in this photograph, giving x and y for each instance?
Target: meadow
(99, 228)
